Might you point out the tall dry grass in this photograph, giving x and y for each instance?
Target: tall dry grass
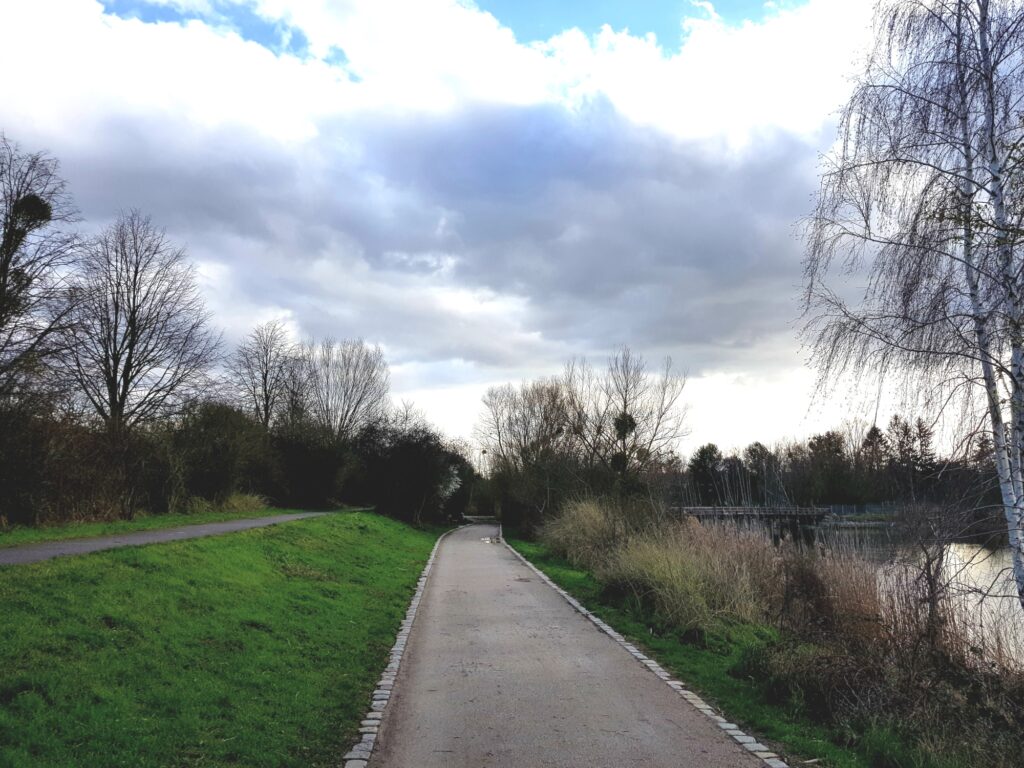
(859, 642)
(694, 575)
(587, 531)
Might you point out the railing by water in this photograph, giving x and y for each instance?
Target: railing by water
(804, 515)
(793, 523)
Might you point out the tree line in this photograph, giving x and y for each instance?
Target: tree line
(118, 395)
(857, 464)
(586, 432)
(615, 432)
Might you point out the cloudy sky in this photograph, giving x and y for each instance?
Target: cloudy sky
(484, 188)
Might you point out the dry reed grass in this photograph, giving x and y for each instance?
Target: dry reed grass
(694, 575)
(902, 642)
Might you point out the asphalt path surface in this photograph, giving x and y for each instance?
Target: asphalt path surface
(500, 671)
(33, 553)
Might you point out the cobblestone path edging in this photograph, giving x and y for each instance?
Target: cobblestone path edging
(358, 756)
(748, 742)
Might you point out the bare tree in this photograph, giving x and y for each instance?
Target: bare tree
(294, 405)
(922, 202)
(582, 431)
(347, 384)
(522, 425)
(628, 418)
(34, 249)
(407, 416)
(524, 431)
(259, 368)
(140, 342)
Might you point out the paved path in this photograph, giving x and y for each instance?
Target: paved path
(500, 671)
(33, 553)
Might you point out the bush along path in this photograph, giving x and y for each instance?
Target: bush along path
(499, 671)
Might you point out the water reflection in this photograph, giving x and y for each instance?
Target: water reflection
(979, 582)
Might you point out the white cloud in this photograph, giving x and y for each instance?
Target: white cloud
(88, 66)
(727, 83)
(265, 163)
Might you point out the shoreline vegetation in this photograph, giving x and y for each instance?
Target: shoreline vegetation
(822, 653)
(260, 648)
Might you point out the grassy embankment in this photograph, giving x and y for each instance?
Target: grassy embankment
(816, 655)
(257, 648)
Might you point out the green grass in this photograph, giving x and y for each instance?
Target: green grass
(19, 535)
(254, 649)
(706, 669)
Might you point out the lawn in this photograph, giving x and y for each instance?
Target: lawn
(257, 648)
(18, 535)
(707, 669)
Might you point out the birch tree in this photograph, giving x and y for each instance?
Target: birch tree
(921, 203)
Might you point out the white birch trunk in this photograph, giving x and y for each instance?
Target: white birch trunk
(1008, 454)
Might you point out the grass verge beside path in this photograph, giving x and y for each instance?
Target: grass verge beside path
(19, 535)
(255, 649)
(706, 670)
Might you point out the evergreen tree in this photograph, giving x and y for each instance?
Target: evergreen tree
(874, 457)
(829, 467)
(704, 467)
(902, 457)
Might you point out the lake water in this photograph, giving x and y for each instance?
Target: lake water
(979, 582)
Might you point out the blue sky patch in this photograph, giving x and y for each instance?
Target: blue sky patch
(533, 20)
(530, 20)
(276, 36)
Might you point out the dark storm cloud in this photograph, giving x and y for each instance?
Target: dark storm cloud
(605, 232)
(615, 233)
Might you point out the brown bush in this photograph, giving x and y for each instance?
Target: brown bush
(864, 646)
(694, 574)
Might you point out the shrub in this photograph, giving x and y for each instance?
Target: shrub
(53, 469)
(814, 678)
(239, 503)
(695, 575)
(586, 532)
(218, 450)
(409, 472)
(311, 465)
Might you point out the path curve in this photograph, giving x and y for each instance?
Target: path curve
(500, 671)
(33, 553)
